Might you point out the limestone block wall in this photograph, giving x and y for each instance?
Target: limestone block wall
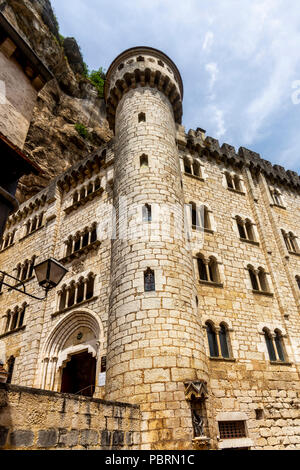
(155, 341)
(248, 381)
(39, 420)
(18, 97)
(48, 336)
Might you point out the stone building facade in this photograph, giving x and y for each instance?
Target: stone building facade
(183, 290)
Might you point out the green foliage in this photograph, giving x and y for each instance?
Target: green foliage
(97, 78)
(82, 130)
(62, 38)
(85, 70)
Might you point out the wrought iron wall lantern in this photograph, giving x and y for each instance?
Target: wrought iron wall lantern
(49, 274)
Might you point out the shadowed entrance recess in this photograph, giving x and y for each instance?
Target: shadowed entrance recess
(79, 375)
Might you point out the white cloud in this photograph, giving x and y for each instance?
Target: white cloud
(238, 59)
(208, 41)
(213, 70)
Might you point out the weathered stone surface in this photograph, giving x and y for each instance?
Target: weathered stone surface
(47, 438)
(52, 140)
(21, 438)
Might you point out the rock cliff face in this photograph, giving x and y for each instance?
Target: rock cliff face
(68, 99)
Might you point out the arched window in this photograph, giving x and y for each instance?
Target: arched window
(213, 270)
(270, 345)
(194, 215)
(237, 183)
(233, 181)
(277, 353)
(147, 213)
(187, 167)
(8, 320)
(203, 273)
(205, 218)
(276, 196)
(90, 189)
(253, 278)
(223, 336)
(85, 238)
(229, 180)
(69, 246)
(14, 323)
(31, 267)
(293, 243)
(82, 193)
(263, 280)
(149, 280)
(34, 224)
(80, 291)
(212, 340)
(75, 197)
(21, 316)
(286, 240)
(90, 287)
(97, 184)
(71, 300)
(94, 234)
(279, 346)
(197, 169)
(208, 269)
(241, 227)
(24, 271)
(249, 230)
(142, 117)
(40, 220)
(63, 298)
(298, 281)
(77, 242)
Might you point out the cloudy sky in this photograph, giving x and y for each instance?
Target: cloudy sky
(239, 60)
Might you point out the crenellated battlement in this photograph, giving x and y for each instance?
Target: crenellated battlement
(140, 67)
(197, 141)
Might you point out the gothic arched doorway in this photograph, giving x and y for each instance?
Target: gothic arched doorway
(79, 375)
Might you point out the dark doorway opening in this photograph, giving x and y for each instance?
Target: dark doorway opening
(79, 375)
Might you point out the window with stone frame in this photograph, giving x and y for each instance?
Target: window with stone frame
(15, 319)
(245, 228)
(205, 218)
(290, 241)
(298, 281)
(218, 340)
(192, 167)
(233, 181)
(149, 280)
(76, 292)
(24, 271)
(142, 117)
(81, 240)
(144, 161)
(86, 192)
(276, 197)
(208, 270)
(35, 223)
(259, 279)
(147, 213)
(7, 240)
(275, 345)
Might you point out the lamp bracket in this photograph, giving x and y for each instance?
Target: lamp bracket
(21, 288)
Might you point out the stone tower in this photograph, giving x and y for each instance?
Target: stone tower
(155, 339)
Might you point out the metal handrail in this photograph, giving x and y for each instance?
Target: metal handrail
(90, 386)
